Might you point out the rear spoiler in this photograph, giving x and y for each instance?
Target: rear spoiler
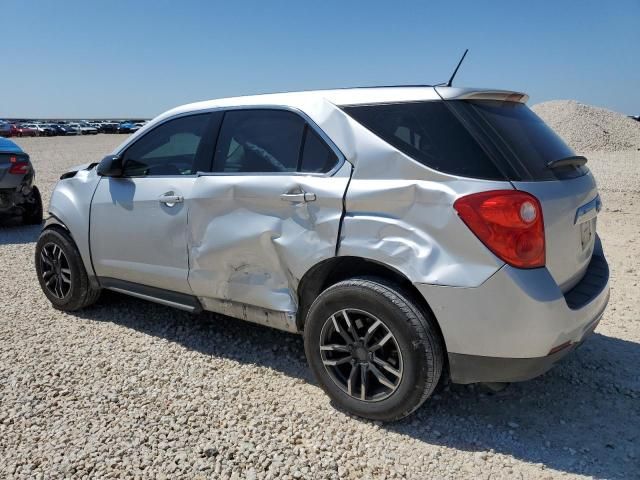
(452, 93)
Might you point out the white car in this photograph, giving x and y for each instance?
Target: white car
(84, 129)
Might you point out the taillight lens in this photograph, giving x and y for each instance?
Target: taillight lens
(509, 223)
(18, 167)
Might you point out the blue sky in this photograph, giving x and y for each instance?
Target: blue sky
(120, 58)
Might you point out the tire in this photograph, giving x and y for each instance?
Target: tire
(33, 213)
(415, 354)
(76, 292)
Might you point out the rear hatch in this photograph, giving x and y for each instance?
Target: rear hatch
(537, 161)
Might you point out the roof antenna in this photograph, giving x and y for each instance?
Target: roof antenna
(448, 84)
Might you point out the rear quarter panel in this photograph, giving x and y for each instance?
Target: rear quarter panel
(400, 213)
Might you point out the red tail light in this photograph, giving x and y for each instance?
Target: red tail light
(509, 223)
(18, 167)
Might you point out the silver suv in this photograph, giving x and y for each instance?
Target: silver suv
(410, 233)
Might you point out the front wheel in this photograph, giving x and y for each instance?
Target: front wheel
(372, 349)
(61, 273)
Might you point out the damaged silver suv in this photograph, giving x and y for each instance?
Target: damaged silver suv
(410, 233)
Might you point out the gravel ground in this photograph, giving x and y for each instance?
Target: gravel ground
(589, 128)
(130, 388)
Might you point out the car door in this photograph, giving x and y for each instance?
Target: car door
(138, 230)
(269, 211)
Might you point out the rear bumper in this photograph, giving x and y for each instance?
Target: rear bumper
(11, 200)
(476, 368)
(512, 326)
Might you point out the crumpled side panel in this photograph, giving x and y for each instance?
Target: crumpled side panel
(247, 245)
(401, 214)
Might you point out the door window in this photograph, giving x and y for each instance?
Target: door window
(259, 141)
(169, 149)
(317, 157)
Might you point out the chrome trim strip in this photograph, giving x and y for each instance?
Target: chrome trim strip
(161, 301)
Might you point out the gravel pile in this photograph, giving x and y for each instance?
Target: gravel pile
(587, 128)
(134, 389)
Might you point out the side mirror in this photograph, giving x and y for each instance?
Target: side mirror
(110, 166)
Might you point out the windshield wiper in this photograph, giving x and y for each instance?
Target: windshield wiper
(573, 161)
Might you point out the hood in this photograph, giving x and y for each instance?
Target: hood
(73, 170)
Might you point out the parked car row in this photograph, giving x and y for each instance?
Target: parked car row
(40, 129)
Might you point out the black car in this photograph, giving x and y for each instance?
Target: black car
(57, 129)
(18, 194)
(108, 127)
(69, 130)
(47, 130)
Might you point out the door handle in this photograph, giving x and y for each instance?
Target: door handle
(169, 199)
(302, 197)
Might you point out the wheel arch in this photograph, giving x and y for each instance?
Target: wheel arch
(52, 222)
(335, 269)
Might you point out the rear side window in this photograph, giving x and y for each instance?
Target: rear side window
(429, 133)
(259, 141)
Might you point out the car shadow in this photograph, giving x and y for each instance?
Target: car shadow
(14, 232)
(582, 417)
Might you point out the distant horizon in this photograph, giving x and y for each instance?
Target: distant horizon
(81, 60)
(68, 119)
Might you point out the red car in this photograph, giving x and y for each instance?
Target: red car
(23, 131)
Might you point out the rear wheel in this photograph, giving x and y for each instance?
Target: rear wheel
(62, 275)
(33, 209)
(373, 350)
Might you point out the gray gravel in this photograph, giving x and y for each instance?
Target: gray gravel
(589, 128)
(134, 389)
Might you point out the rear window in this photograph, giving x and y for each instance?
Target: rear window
(431, 134)
(7, 146)
(527, 143)
(8, 157)
(486, 139)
